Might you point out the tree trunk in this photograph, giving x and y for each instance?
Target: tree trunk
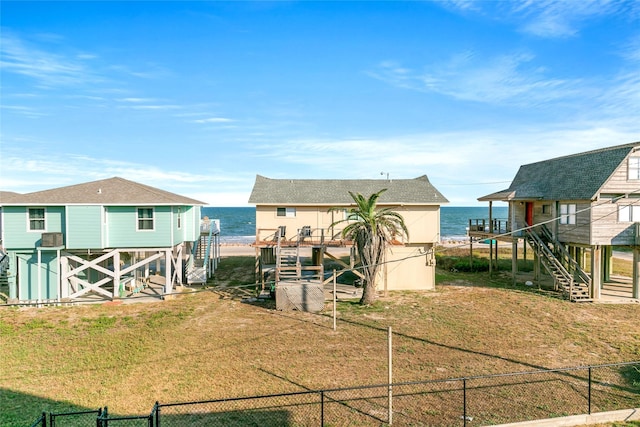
(371, 256)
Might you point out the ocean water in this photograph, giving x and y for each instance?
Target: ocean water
(238, 225)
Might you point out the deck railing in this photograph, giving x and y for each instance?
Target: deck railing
(305, 236)
(485, 226)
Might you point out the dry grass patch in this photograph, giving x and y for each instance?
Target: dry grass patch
(210, 344)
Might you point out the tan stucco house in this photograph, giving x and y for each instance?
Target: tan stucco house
(296, 212)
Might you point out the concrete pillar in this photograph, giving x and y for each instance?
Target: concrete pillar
(596, 271)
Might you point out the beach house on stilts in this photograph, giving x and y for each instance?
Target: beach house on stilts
(102, 240)
(293, 218)
(572, 211)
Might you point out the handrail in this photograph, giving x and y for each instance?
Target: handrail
(550, 257)
(573, 266)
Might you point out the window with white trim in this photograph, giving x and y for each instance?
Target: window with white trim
(37, 219)
(286, 212)
(568, 213)
(633, 168)
(629, 213)
(145, 219)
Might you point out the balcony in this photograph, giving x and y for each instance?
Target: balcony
(305, 236)
(485, 228)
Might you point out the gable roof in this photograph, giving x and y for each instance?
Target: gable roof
(574, 177)
(333, 192)
(112, 191)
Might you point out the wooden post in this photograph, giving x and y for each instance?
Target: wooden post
(470, 253)
(490, 257)
(596, 271)
(334, 300)
(514, 259)
(390, 355)
(636, 272)
(116, 275)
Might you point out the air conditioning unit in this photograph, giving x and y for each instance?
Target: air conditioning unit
(51, 240)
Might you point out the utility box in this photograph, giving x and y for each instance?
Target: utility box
(51, 240)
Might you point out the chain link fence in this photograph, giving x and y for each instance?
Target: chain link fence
(471, 401)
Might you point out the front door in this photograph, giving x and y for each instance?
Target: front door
(529, 214)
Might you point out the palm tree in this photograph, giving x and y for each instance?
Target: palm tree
(371, 230)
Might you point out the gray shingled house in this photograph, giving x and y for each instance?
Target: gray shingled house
(105, 239)
(292, 214)
(572, 211)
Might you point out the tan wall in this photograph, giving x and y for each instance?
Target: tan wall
(415, 271)
(423, 222)
(316, 217)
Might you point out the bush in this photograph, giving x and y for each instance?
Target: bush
(462, 264)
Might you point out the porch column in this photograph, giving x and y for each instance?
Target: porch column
(636, 272)
(490, 256)
(514, 259)
(596, 271)
(64, 281)
(607, 263)
(39, 275)
(116, 274)
(179, 266)
(168, 282)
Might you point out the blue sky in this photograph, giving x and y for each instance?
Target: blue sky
(199, 97)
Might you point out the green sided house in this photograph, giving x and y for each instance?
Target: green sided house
(102, 240)
(292, 214)
(573, 211)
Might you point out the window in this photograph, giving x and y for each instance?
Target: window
(145, 218)
(568, 214)
(179, 218)
(628, 213)
(287, 212)
(546, 209)
(36, 219)
(633, 168)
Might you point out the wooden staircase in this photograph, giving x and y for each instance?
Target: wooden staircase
(287, 263)
(199, 267)
(568, 276)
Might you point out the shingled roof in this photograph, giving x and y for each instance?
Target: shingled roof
(112, 191)
(332, 192)
(574, 177)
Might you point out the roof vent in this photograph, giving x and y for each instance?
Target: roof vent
(99, 190)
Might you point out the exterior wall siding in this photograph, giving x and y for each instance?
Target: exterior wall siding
(607, 230)
(37, 281)
(423, 222)
(15, 226)
(84, 230)
(413, 273)
(618, 182)
(123, 233)
(190, 224)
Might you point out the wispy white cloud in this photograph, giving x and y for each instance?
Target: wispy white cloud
(464, 165)
(505, 78)
(48, 69)
(213, 120)
(547, 18)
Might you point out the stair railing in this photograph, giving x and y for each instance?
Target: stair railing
(551, 261)
(573, 267)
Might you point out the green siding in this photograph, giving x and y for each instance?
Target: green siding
(190, 230)
(84, 229)
(123, 233)
(15, 226)
(30, 274)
